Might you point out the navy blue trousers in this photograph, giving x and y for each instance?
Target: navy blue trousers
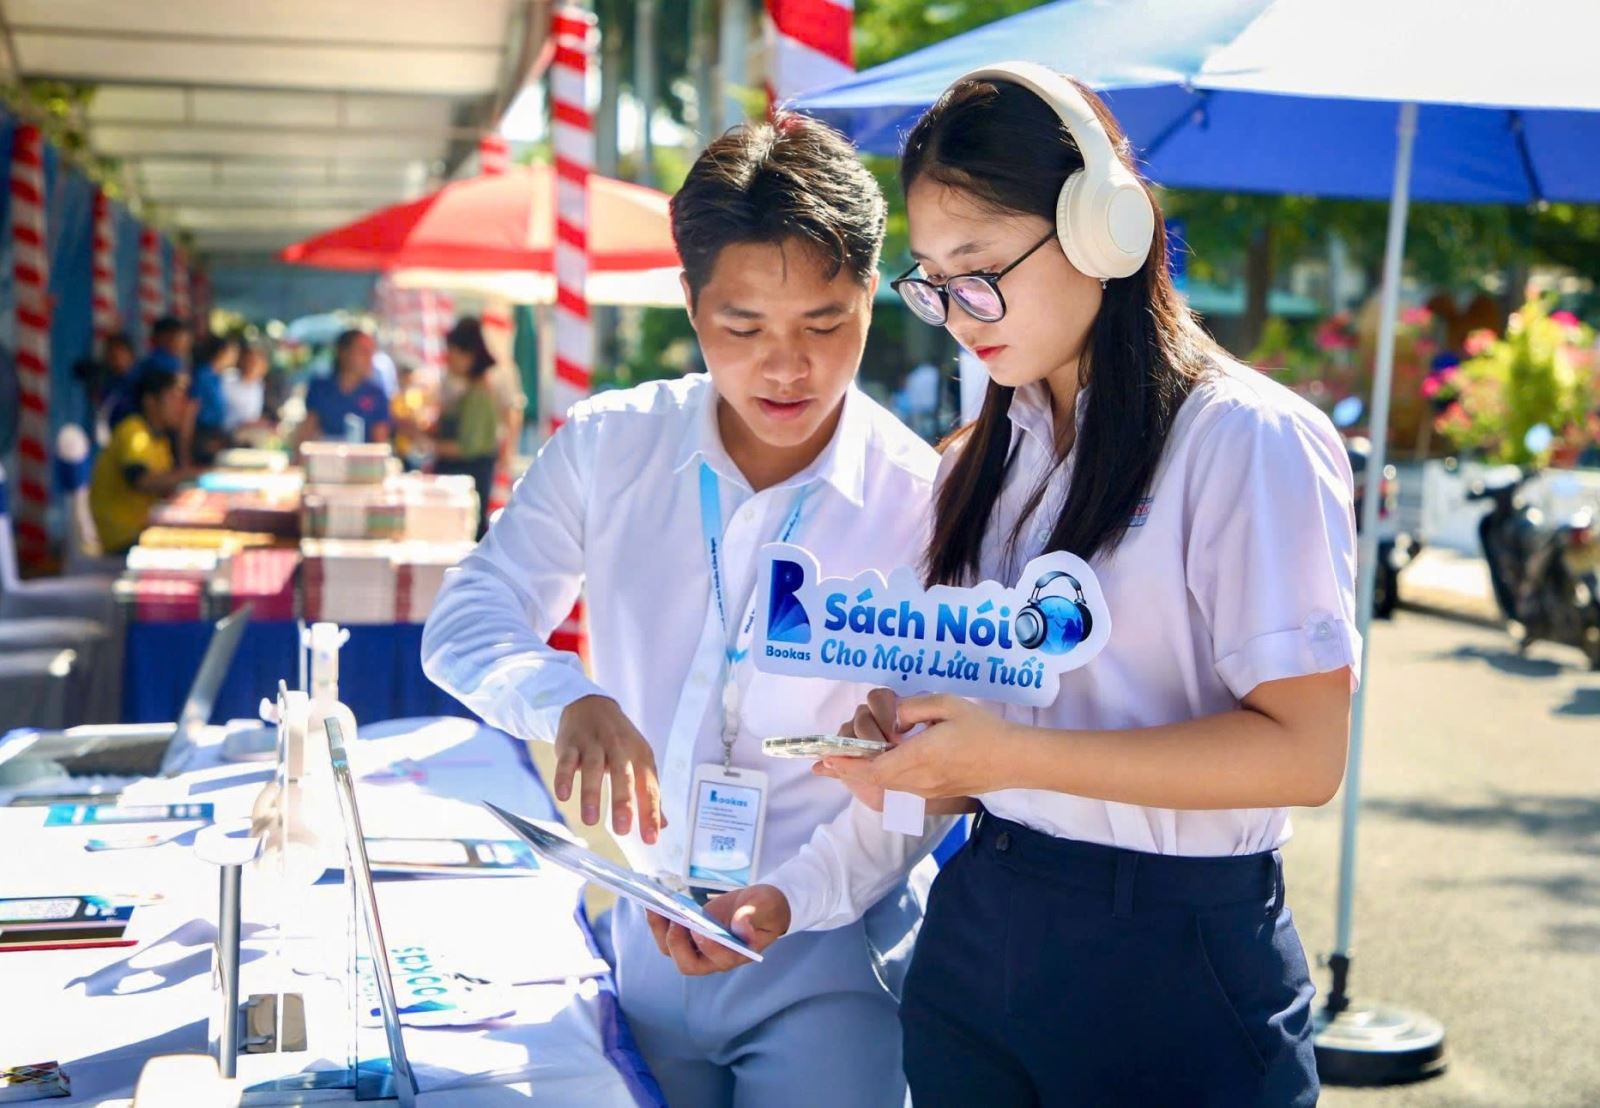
(1055, 972)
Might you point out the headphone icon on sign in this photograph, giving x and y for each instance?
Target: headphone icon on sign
(1054, 624)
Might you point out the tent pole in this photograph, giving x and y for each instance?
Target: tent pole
(1373, 1045)
(1367, 559)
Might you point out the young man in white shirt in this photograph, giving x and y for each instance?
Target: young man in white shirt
(657, 499)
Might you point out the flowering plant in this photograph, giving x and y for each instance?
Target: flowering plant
(1539, 372)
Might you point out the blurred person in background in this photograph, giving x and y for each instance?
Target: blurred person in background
(278, 385)
(244, 390)
(385, 372)
(136, 470)
(170, 342)
(216, 357)
(467, 439)
(510, 400)
(104, 380)
(411, 409)
(347, 405)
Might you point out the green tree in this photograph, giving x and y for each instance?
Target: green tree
(616, 19)
(887, 29)
(1247, 237)
(1525, 379)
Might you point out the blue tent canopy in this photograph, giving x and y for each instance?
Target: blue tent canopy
(1296, 96)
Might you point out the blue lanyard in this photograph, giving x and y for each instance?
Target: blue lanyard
(711, 525)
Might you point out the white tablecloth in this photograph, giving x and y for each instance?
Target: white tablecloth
(101, 1013)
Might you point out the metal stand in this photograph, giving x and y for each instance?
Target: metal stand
(271, 1023)
(228, 967)
(1360, 1045)
(264, 1024)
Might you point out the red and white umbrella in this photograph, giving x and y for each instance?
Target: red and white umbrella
(498, 223)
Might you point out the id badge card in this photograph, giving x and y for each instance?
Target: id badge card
(730, 811)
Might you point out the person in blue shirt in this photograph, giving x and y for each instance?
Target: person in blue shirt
(169, 352)
(215, 357)
(336, 402)
(102, 379)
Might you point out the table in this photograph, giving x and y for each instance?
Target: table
(381, 677)
(102, 1013)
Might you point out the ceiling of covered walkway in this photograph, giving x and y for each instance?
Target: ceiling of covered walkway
(254, 123)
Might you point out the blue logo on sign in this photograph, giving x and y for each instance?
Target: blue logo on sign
(724, 798)
(786, 616)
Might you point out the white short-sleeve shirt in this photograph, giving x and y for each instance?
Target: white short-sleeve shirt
(1237, 569)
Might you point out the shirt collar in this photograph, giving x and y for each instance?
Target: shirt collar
(1032, 412)
(842, 463)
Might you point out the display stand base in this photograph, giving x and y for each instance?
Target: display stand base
(1378, 1045)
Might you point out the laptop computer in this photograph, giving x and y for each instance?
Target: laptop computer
(137, 749)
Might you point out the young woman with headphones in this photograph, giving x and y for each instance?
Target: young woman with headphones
(1114, 932)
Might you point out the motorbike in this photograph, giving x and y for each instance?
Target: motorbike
(1396, 548)
(1545, 575)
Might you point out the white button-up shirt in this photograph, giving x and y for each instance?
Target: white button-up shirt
(612, 506)
(1238, 570)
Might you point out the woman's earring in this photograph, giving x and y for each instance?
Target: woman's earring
(1102, 284)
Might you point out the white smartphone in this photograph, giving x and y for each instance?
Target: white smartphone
(822, 746)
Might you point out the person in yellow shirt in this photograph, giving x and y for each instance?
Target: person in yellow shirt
(136, 469)
(412, 419)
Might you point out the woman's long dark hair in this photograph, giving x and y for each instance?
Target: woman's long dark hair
(467, 336)
(1005, 148)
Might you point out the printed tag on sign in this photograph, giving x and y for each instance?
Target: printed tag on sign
(1009, 643)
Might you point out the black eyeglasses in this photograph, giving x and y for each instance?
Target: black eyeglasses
(978, 294)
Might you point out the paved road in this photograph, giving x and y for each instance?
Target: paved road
(1479, 880)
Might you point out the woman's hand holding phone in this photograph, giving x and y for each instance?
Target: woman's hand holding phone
(883, 717)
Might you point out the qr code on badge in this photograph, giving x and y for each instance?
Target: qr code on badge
(722, 844)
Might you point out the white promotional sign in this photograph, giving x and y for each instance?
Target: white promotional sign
(992, 641)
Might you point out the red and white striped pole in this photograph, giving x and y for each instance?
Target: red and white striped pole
(200, 295)
(180, 290)
(434, 312)
(573, 129)
(386, 307)
(152, 294)
(31, 269)
(494, 154)
(106, 317)
(808, 46)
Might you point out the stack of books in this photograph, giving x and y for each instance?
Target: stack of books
(348, 463)
(348, 581)
(419, 574)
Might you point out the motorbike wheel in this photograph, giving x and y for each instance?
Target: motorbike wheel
(1385, 593)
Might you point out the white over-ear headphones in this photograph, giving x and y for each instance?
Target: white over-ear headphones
(1103, 217)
